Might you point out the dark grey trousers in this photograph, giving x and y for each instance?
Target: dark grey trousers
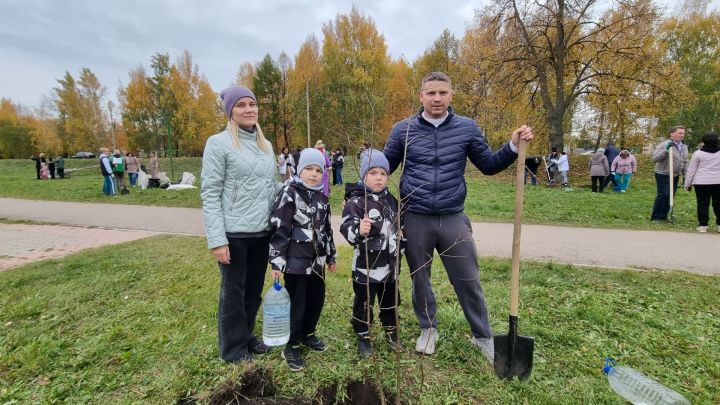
(451, 236)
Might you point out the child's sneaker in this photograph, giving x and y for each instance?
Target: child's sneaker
(314, 343)
(294, 359)
(393, 340)
(702, 229)
(364, 345)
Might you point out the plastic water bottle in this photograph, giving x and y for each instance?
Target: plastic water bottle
(638, 388)
(276, 316)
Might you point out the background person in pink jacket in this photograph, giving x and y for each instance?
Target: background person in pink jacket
(704, 173)
(623, 168)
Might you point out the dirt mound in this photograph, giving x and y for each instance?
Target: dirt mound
(256, 387)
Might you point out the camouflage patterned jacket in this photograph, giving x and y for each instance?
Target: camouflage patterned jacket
(302, 240)
(381, 242)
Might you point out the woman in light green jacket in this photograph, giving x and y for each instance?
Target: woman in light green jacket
(239, 184)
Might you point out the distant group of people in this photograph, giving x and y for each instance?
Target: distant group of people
(611, 165)
(46, 168)
(287, 165)
(606, 165)
(116, 167)
(252, 219)
(557, 167)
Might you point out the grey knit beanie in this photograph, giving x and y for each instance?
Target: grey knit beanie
(310, 156)
(372, 158)
(232, 94)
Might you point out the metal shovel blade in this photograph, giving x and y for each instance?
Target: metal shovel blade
(513, 353)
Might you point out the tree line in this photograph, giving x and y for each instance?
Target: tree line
(582, 75)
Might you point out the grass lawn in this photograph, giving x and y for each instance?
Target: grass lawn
(135, 323)
(490, 199)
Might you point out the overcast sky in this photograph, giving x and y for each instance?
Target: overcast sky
(41, 39)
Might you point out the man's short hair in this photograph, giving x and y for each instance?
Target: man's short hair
(436, 77)
(675, 128)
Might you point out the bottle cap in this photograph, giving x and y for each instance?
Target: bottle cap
(609, 364)
(276, 285)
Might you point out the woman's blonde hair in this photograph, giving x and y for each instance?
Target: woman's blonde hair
(260, 140)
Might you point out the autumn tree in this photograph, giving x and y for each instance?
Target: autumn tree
(245, 75)
(304, 90)
(92, 94)
(267, 87)
(197, 114)
(270, 85)
(624, 102)
(553, 49)
(162, 98)
(443, 55)
(401, 98)
(177, 100)
(15, 133)
(44, 136)
(140, 120)
(483, 91)
(693, 44)
(82, 122)
(355, 70)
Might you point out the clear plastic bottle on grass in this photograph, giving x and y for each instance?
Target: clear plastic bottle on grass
(638, 388)
(276, 316)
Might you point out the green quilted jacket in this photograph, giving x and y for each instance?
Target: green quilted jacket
(238, 187)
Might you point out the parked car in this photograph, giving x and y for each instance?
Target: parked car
(83, 155)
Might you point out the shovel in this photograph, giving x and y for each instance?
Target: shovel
(547, 171)
(513, 353)
(671, 214)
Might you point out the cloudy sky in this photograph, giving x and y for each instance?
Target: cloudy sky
(41, 39)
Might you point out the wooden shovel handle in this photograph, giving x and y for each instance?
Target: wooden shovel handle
(517, 227)
(672, 177)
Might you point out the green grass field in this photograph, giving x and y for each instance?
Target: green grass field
(136, 323)
(489, 199)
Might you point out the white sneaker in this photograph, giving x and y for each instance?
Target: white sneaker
(487, 346)
(426, 342)
(702, 229)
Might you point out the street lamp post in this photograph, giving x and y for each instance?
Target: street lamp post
(169, 150)
(112, 123)
(307, 109)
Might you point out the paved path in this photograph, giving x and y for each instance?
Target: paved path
(691, 252)
(23, 243)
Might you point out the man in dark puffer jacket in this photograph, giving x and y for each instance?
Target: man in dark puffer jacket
(433, 185)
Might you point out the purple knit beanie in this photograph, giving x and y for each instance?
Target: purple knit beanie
(232, 94)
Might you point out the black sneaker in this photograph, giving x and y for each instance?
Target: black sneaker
(364, 346)
(259, 348)
(314, 343)
(245, 358)
(392, 339)
(294, 359)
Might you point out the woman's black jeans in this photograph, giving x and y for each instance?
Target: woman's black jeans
(241, 285)
(704, 194)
